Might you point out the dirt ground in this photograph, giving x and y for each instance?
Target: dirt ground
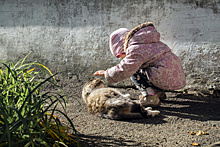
(180, 115)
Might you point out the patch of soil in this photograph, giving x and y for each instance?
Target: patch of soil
(180, 115)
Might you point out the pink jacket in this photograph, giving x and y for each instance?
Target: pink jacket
(146, 51)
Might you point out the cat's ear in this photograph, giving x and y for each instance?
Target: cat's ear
(92, 78)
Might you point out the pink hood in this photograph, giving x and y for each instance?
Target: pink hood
(145, 36)
(116, 41)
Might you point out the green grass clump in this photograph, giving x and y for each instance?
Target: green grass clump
(27, 114)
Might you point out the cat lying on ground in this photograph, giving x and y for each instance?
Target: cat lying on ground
(111, 103)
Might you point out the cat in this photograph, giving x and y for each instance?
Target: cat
(110, 103)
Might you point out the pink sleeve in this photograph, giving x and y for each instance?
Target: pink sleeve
(126, 68)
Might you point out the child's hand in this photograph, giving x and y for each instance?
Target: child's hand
(100, 73)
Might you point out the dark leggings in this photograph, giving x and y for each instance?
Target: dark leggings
(141, 81)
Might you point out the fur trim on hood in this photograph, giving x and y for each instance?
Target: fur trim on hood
(142, 34)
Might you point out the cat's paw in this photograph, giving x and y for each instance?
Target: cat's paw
(152, 113)
(126, 95)
(148, 108)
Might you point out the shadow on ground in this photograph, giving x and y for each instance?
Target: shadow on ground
(191, 107)
(100, 141)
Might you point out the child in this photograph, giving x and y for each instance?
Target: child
(147, 61)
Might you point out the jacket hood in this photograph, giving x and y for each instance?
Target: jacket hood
(116, 41)
(145, 36)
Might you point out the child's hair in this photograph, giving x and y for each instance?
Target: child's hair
(127, 38)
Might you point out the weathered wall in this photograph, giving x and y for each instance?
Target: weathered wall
(73, 35)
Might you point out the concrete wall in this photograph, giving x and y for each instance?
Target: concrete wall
(73, 35)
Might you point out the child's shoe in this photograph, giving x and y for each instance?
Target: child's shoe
(149, 100)
(162, 95)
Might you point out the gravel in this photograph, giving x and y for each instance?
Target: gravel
(180, 115)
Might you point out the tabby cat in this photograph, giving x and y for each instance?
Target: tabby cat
(111, 103)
